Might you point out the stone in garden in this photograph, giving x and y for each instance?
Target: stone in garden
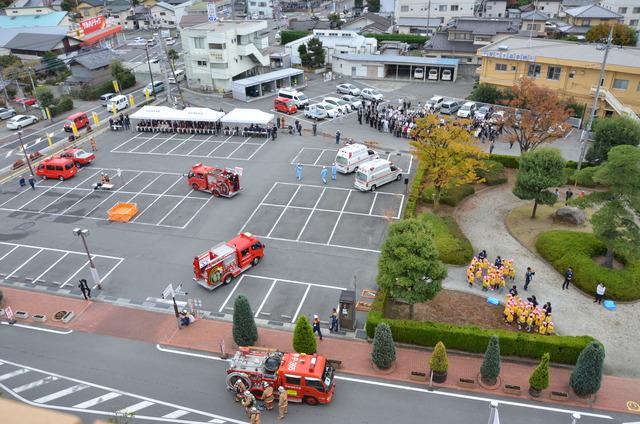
(570, 215)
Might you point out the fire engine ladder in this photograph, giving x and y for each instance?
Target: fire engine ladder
(616, 104)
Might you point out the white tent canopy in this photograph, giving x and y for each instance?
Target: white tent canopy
(201, 114)
(154, 112)
(198, 114)
(247, 116)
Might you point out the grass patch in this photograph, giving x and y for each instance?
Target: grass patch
(453, 247)
(452, 196)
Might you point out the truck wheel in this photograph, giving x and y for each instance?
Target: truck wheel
(255, 261)
(224, 189)
(310, 400)
(194, 186)
(373, 187)
(399, 177)
(227, 279)
(215, 192)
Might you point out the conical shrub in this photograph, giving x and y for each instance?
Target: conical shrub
(490, 369)
(539, 379)
(245, 332)
(439, 361)
(304, 341)
(587, 375)
(384, 349)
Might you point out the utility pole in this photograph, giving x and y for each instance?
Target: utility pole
(169, 68)
(83, 233)
(428, 16)
(153, 91)
(587, 129)
(26, 156)
(44, 114)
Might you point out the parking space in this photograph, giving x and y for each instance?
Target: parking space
(192, 145)
(329, 216)
(50, 267)
(163, 199)
(311, 156)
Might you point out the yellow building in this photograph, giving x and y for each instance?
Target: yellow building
(90, 8)
(572, 69)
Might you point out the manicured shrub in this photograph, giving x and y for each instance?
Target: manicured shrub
(384, 349)
(406, 38)
(539, 379)
(493, 173)
(584, 177)
(245, 332)
(291, 35)
(452, 245)
(571, 248)
(439, 361)
(512, 162)
(490, 368)
(414, 193)
(452, 196)
(304, 341)
(587, 375)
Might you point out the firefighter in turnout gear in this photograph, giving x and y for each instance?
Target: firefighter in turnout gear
(255, 416)
(267, 396)
(248, 402)
(283, 402)
(239, 388)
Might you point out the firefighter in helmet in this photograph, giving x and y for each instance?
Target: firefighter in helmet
(255, 416)
(283, 402)
(267, 396)
(239, 388)
(248, 402)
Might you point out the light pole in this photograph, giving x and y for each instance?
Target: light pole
(26, 156)
(83, 233)
(153, 90)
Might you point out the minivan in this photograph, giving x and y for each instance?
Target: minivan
(467, 110)
(179, 76)
(418, 73)
(57, 168)
(350, 157)
(450, 107)
(298, 97)
(80, 119)
(155, 88)
(104, 99)
(433, 74)
(285, 105)
(371, 175)
(446, 75)
(120, 102)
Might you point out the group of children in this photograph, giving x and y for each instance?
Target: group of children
(490, 276)
(528, 316)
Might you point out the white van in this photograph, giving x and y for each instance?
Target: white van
(179, 76)
(467, 110)
(433, 74)
(418, 73)
(450, 107)
(104, 99)
(373, 174)
(120, 102)
(446, 75)
(350, 157)
(298, 97)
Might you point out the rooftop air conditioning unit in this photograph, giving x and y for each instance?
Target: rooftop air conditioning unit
(503, 48)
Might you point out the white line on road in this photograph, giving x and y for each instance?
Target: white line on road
(304, 297)
(51, 267)
(13, 374)
(46, 330)
(61, 393)
(37, 383)
(136, 407)
(256, 209)
(93, 402)
(265, 298)
(311, 214)
(283, 211)
(335, 226)
(156, 199)
(9, 252)
(176, 414)
(324, 286)
(232, 292)
(192, 354)
(24, 263)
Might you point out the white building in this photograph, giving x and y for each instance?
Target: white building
(168, 15)
(629, 9)
(217, 52)
(492, 9)
(334, 42)
(261, 9)
(441, 10)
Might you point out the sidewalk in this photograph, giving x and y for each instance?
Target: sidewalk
(206, 335)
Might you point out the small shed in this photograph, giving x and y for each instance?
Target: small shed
(263, 85)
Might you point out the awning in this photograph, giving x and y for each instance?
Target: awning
(247, 116)
(197, 114)
(99, 35)
(201, 114)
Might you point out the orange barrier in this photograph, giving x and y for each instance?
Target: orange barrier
(122, 212)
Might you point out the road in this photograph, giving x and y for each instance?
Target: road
(81, 372)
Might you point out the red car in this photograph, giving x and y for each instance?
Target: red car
(79, 156)
(56, 168)
(27, 101)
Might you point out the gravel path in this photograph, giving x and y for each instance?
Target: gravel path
(482, 218)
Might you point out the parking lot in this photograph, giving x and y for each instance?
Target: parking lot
(319, 157)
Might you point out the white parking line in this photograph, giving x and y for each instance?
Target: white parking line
(304, 297)
(126, 142)
(9, 252)
(35, 280)
(324, 286)
(156, 199)
(53, 249)
(26, 190)
(71, 190)
(76, 273)
(265, 298)
(142, 144)
(144, 188)
(41, 194)
(311, 214)
(231, 294)
(236, 149)
(344, 205)
(257, 150)
(256, 209)
(167, 140)
(373, 203)
(198, 211)
(178, 204)
(283, 211)
(24, 263)
(314, 243)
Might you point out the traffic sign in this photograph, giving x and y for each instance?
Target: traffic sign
(211, 12)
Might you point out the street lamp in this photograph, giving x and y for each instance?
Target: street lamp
(26, 156)
(83, 233)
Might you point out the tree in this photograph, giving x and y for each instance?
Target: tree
(487, 93)
(490, 369)
(305, 57)
(539, 170)
(611, 132)
(173, 55)
(439, 361)
(587, 375)
(335, 20)
(304, 341)
(245, 332)
(448, 152)
(45, 96)
(539, 379)
(541, 116)
(373, 5)
(409, 268)
(316, 52)
(66, 6)
(51, 64)
(623, 35)
(384, 349)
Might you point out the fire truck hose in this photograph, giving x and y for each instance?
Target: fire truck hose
(234, 376)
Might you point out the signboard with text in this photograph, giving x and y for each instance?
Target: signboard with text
(93, 24)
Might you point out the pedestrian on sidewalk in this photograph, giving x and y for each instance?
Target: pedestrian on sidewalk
(334, 321)
(84, 288)
(568, 277)
(338, 137)
(316, 326)
(274, 132)
(299, 127)
(267, 396)
(323, 174)
(94, 146)
(528, 277)
(283, 402)
(334, 171)
(22, 182)
(32, 182)
(600, 289)
(299, 171)
(360, 116)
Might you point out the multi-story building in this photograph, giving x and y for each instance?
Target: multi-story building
(215, 53)
(534, 23)
(591, 15)
(261, 9)
(550, 8)
(571, 69)
(492, 9)
(628, 9)
(334, 42)
(441, 10)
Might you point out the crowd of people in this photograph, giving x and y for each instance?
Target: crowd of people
(122, 122)
(251, 407)
(527, 315)
(197, 127)
(490, 276)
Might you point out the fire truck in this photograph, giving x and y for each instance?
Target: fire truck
(217, 181)
(306, 378)
(220, 264)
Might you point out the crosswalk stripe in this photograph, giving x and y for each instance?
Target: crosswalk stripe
(97, 400)
(61, 393)
(36, 383)
(217, 421)
(13, 374)
(135, 408)
(176, 414)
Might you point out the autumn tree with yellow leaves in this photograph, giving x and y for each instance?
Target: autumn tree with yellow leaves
(448, 153)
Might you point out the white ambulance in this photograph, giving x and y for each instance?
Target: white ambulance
(350, 157)
(373, 174)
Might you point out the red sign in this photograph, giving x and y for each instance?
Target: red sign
(93, 24)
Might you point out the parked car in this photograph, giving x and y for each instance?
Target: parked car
(7, 112)
(418, 73)
(467, 110)
(353, 101)
(56, 168)
(446, 75)
(434, 102)
(433, 74)
(316, 112)
(285, 105)
(332, 110)
(27, 101)
(484, 112)
(104, 99)
(449, 107)
(371, 94)
(170, 41)
(20, 121)
(79, 156)
(348, 89)
(342, 106)
(156, 87)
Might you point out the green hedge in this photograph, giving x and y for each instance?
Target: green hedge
(452, 196)
(512, 162)
(563, 349)
(584, 177)
(453, 247)
(414, 193)
(493, 173)
(406, 38)
(565, 249)
(291, 35)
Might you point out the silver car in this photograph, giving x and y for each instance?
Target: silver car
(7, 112)
(353, 101)
(348, 89)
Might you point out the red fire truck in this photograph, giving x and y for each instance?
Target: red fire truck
(220, 264)
(306, 378)
(220, 182)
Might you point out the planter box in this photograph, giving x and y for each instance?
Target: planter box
(22, 315)
(562, 396)
(512, 389)
(39, 318)
(469, 383)
(418, 376)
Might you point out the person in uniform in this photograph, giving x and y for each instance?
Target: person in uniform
(267, 396)
(254, 417)
(283, 402)
(248, 401)
(239, 388)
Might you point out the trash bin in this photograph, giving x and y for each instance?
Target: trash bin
(347, 310)
(315, 129)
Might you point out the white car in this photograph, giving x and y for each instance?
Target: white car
(7, 112)
(332, 111)
(353, 101)
(20, 121)
(170, 41)
(342, 106)
(316, 112)
(467, 110)
(348, 89)
(371, 94)
(434, 102)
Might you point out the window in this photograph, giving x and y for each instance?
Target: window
(216, 46)
(620, 84)
(442, 8)
(198, 42)
(201, 63)
(586, 22)
(533, 27)
(553, 72)
(572, 73)
(314, 384)
(489, 7)
(404, 8)
(244, 252)
(622, 10)
(534, 71)
(454, 7)
(162, 14)
(253, 3)
(633, 22)
(262, 4)
(292, 379)
(461, 36)
(636, 10)
(501, 66)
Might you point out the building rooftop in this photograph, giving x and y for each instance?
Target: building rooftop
(379, 22)
(35, 42)
(94, 59)
(309, 25)
(534, 15)
(7, 35)
(419, 22)
(484, 26)
(409, 60)
(94, 3)
(223, 25)
(27, 21)
(592, 11)
(577, 3)
(440, 42)
(269, 76)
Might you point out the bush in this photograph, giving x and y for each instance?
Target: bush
(587, 375)
(487, 93)
(493, 173)
(304, 341)
(245, 332)
(406, 38)
(384, 349)
(539, 379)
(570, 248)
(439, 361)
(63, 104)
(452, 196)
(452, 245)
(291, 35)
(490, 368)
(584, 177)
(414, 193)
(563, 349)
(512, 162)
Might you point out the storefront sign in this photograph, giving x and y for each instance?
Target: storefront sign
(93, 24)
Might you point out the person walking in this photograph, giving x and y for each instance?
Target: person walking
(283, 402)
(316, 326)
(84, 288)
(334, 171)
(360, 116)
(568, 277)
(248, 401)
(22, 182)
(600, 289)
(94, 146)
(567, 196)
(274, 132)
(334, 321)
(338, 137)
(323, 175)
(528, 277)
(299, 171)
(32, 182)
(299, 127)
(492, 146)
